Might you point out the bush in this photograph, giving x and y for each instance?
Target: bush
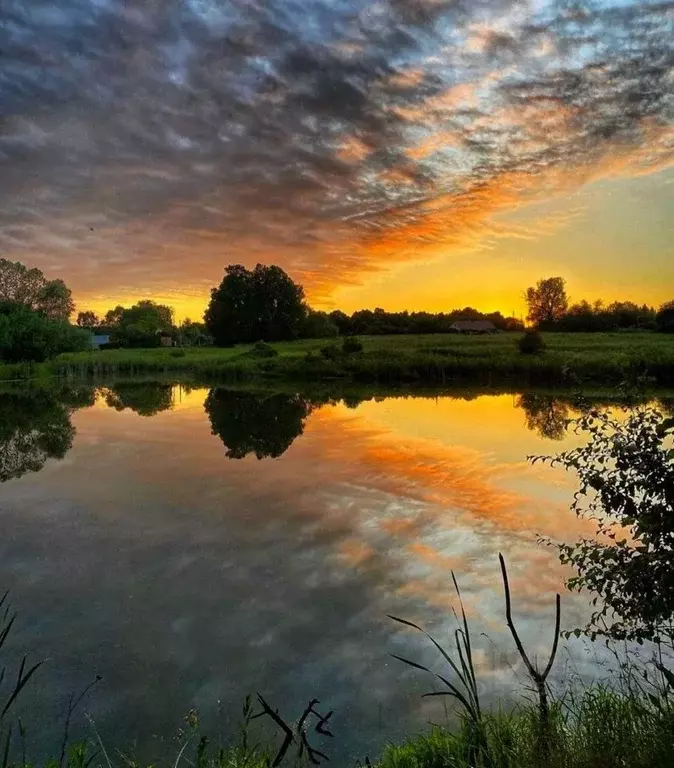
(27, 336)
(331, 352)
(178, 353)
(531, 343)
(262, 350)
(351, 345)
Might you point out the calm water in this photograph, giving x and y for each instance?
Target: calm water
(195, 546)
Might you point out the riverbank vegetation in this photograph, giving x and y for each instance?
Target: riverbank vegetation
(567, 361)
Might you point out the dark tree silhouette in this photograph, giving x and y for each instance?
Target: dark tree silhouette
(265, 425)
(665, 318)
(547, 301)
(262, 304)
(88, 320)
(33, 428)
(545, 414)
(146, 398)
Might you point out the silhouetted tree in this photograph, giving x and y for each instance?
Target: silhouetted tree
(265, 425)
(665, 318)
(547, 301)
(88, 320)
(146, 398)
(252, 305)
(318, 325)
(545, 414)
(30, 287)
(113, 316)
(34, 427)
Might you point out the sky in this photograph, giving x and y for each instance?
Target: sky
(408, 154)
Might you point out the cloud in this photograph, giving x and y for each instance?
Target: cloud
(143, 147)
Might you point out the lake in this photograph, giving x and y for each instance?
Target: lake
(193, 545)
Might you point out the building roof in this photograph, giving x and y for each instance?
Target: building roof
(473, 325)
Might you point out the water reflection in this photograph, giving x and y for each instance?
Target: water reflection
(187, 579)
(546, 414)
(36, 426)
(146, 398)
(262, 424)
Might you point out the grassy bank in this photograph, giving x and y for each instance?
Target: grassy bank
(438, 359)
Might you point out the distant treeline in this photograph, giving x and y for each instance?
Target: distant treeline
(378, 321)
(549, 310)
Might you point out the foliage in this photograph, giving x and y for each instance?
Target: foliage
(88, 320)
(665, 318)
(263, 303)
(265, 425)
(545, 414)
(262, 350)
(547, 301)
(331, 352)
(318, 325)
(140, 325)
(194, 334)
(626, 474)
(598, 728)
(531, 343)
(146, 398)
(34, 427)
(352, 345)
(380, 322)
(29, 287)
(26, 335)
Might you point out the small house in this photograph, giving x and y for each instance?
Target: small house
(99, 339)
(473, 326)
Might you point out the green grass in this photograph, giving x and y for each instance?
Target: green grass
(602, 729)
(602, 358)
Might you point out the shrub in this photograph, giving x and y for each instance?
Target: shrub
(178, 353)
(262, 350)
(331, 352)
(27, 336)
(531, 343)
(351, 344)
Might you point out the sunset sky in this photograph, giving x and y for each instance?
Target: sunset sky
(419, 154)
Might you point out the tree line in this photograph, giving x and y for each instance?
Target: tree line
(264, 303)
(549, 310)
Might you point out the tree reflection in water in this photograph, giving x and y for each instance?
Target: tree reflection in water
(146, 398)
(265, 425)
(36, 426)
(545, 414)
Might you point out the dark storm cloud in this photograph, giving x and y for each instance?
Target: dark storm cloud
(310, 132)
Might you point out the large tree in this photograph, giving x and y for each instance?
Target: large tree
(665, 318)
(140, 325)
(547, 301)
(250, 305)
(20, 285)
